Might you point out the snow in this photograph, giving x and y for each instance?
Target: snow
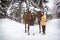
(37, 9)
(11, 30)
(12, 7)
(31, 8)
(24, 8)
(8, 10)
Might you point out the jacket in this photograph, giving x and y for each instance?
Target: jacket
(43, 20)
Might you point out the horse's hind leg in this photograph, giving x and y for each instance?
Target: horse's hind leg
(25, 28)
(28, 30)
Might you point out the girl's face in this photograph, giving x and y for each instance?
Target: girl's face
(42, 13)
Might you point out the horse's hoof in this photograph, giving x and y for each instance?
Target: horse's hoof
(39, 31)
(28, 34)
(25, 31)
(43, 33)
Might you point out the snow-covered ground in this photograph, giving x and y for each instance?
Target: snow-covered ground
(11, 30)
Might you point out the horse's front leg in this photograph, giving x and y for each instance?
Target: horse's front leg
(39, 27)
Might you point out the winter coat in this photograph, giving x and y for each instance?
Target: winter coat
(43, 20)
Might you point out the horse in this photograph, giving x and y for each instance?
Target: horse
(39, 18)
(27, 18)
(26, 21)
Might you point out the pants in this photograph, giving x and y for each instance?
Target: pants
(43, 28)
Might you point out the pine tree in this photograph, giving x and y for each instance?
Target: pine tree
(3, 7)
(56, 8)
(1, 10)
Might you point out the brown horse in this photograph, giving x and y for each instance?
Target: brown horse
(27, 18)
(39, 18)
